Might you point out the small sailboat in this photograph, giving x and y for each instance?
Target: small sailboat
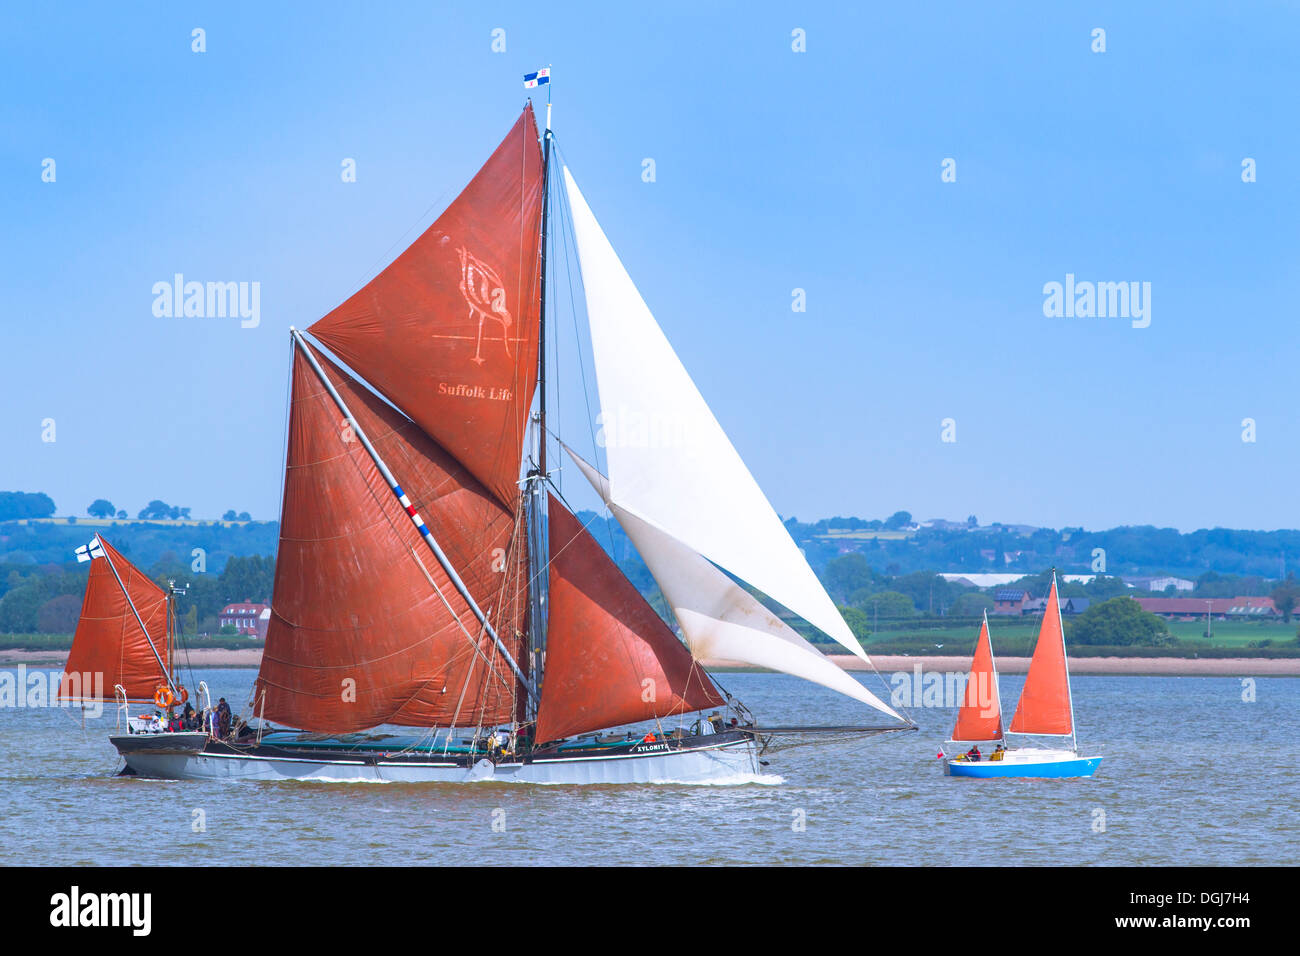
(1046, 709)
(125, 644)
(439, 616)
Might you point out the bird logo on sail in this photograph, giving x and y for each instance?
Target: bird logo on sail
(485, 295)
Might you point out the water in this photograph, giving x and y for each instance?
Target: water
(1191, 775)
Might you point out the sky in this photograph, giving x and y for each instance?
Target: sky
(775, 170)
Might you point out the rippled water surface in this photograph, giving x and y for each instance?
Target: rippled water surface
(1191, 775)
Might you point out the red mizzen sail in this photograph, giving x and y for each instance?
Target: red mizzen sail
(980, 717)
(358, 634)
(610, 659)
(109, 640)
(448, 332)
(1044, 706)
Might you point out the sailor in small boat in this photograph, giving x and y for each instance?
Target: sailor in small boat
(974, 753)
(997, 754)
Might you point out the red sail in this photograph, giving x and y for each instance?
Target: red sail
(980, 717)
(109, 640)
(358, 634)
(1045, 702)
(610, 659)
(448, 332)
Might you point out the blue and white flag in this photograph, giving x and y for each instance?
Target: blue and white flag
(537, 79)
(88, 551)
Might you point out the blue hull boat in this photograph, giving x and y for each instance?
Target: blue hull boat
(1046, 709)
(1070, 766)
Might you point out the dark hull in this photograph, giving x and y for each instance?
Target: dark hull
(701, 759)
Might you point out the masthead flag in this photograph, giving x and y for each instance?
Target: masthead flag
(88, 551)
(537, 79)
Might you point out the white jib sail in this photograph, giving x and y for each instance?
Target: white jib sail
(719, 619)
(670, 463)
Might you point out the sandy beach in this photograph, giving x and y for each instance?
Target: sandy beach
(1173, 666)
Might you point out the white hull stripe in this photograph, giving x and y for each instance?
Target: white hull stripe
(410, 763)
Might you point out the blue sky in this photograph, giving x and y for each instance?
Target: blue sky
(775, 170)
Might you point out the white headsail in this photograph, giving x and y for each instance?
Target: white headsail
(670, 463)
(719, 619)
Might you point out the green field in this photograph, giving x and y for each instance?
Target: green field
(1014, 637)
(1233, 633)
(63, 642)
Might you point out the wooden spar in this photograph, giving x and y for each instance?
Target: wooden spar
(143, 630)
(405, 502)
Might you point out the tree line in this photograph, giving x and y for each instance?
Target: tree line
(48, 601)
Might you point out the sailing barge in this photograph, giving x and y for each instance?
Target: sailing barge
(430, 577)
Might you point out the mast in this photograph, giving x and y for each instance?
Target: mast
(1065, 656)
(541, 335)
(993, 664)
(536, 484)
(143, 630)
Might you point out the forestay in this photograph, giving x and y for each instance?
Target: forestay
(719, 619)
(670, 463)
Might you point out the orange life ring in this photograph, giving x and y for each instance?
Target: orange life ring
(184, 697)
(163, 696)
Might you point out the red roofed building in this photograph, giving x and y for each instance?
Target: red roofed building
(1190, 609)
(249, 619)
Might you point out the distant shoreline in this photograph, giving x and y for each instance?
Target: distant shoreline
(1136, 666)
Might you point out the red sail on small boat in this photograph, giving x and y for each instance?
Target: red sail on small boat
(1045, 706)
(980, 718)
(1046, 709)
(122, 632)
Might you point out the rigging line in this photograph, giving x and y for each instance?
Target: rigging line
(557, 375)
(143, 630)
(361, 284)
(582, 363)
(622, 645)
(730, 697)
(390, 479)
(384, 513)
(284, 477)
(566, 228)
(484, 687)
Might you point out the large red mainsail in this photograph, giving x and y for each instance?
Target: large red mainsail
(109, 641)
(610, 659)
(448, 332)
(1044, 706)
(359, 635)
(980, 718)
